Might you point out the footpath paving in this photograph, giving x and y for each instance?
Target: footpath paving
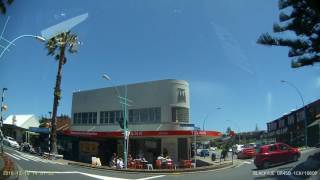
(201, 166)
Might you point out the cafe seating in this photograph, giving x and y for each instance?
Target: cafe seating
(169, 164)
(186, 163)
(138, 164)
(158, 164)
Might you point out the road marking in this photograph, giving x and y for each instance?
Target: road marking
(247, 162)
(13, 156)
(21, 157)
(152, 177)
(87, 174)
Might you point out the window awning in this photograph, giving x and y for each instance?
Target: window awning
(171, 133)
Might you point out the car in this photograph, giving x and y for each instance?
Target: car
(9, 141)
(204, 153)
(247, 152)
(274, 154)
(238, 148)
(213, 148)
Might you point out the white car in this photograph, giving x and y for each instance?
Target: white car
(239, 148)
(213, 148)
(9, 141)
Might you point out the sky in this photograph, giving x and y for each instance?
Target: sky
(210, 44)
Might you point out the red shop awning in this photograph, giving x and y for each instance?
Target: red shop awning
(172, 133)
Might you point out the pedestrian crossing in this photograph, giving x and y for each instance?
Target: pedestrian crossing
(17, 155)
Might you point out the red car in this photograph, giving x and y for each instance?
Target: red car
(274, 154)
(248, 152)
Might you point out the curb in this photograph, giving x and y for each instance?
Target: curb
(156, 171)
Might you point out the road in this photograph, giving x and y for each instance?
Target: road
(34, 168)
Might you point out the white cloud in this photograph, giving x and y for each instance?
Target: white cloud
(232, 49)
(269, 101)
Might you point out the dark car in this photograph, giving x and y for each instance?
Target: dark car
(274, 154)
(204, 153)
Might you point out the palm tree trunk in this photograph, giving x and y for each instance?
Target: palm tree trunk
(57, 96)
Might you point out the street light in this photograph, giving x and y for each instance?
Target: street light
(39, 38)
(124, 106)
(304, 110)
(204, 120)
(1, 119)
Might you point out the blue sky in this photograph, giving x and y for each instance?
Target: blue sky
(211, 44)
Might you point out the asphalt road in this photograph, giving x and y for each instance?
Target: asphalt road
(34, 168)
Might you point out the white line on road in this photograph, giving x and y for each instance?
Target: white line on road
(13, 156)
(152, 177)
(246, 162)
(87, 174)
(21, 157)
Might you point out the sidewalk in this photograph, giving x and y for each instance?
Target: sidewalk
(211, 166)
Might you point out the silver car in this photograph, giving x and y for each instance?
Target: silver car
(9, 141)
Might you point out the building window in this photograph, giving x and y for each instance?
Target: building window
(118, 115)
(90, 118)
(85, 118)
(291, 119)
(301, 115)
(180, 114)
(111, 117)
(94, 118)
(146, 115)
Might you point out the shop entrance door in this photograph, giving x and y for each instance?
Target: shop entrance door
(182, 149)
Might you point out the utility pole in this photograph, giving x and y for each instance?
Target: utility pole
(1, 118)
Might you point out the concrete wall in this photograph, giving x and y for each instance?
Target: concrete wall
(163, 94)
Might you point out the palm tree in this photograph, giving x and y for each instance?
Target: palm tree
(3, 4)
(56, 47)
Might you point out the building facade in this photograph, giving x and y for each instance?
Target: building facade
(158, 121)
(290, 128)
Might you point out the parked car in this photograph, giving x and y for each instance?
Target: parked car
(274, 154)
(247, 152)
(9, 141)
(204, 153)
(213, 148)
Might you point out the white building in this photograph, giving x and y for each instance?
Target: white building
(158, 121)
(16, 125)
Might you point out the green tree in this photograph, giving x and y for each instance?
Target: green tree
(3, 4)
(303, 18)
(56, 47)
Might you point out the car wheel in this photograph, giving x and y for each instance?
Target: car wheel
(295, 158)
(266, 165)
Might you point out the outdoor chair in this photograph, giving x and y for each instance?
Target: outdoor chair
(158, 164)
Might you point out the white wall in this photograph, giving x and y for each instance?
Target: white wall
(161, 94)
